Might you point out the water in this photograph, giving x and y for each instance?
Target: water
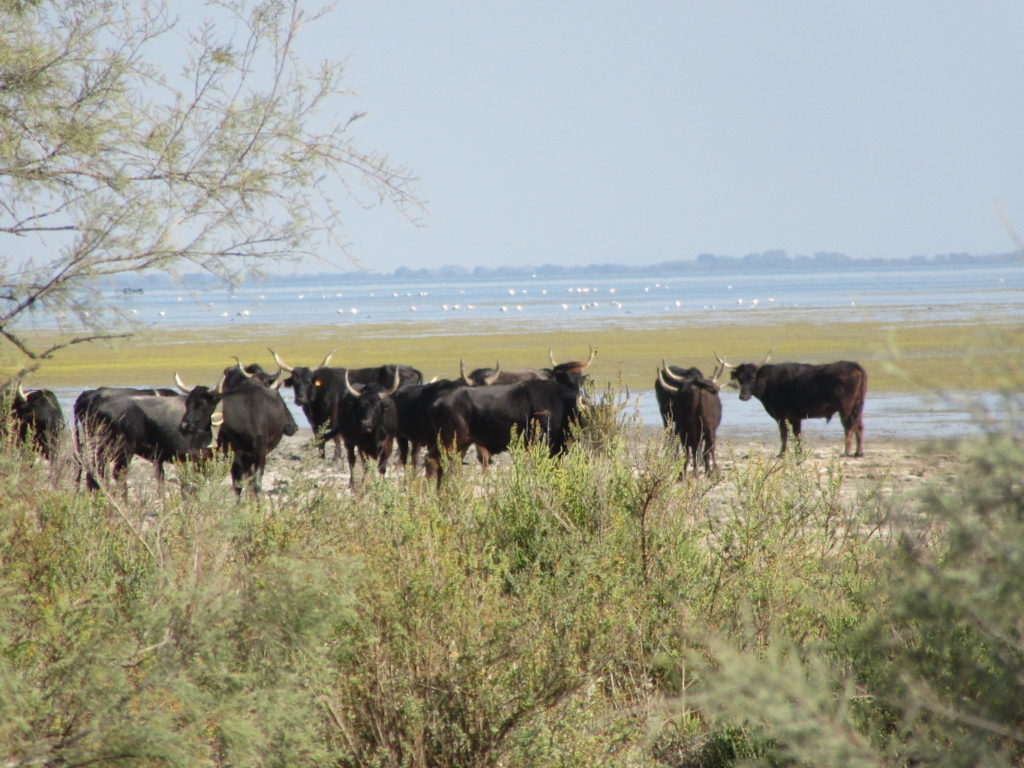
(907, 294)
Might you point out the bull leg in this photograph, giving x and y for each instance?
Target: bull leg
(385, 454)
(350, 452)
(853, 429)
(796, 433)
(484, 456)
(709, 455)
(783, 435)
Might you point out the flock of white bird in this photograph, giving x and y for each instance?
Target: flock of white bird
(590, 294)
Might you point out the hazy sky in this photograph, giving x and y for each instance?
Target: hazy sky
(576, 131)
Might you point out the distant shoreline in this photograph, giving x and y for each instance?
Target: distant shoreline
(768, 261)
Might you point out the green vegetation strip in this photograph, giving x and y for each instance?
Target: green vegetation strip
(898, 358)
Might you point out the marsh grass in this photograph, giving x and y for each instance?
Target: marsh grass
(926, 356)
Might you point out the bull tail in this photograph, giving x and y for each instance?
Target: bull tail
(861, 394)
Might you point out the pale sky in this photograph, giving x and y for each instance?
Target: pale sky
(578, 131)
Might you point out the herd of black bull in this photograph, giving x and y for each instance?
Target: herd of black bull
(369, 409)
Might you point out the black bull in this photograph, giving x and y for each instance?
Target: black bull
(489, 416)
(252, 420)
(320, 392)
(114, 424)
(690, 405)
(791, 392)
(39, 418)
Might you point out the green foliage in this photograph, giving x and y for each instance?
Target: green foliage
(920, 661)
(589, 609)
(131, 139)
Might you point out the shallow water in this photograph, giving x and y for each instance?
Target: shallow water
(906, 294)
(887, 416)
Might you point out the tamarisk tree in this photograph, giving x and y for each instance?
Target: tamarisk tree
(131, 139)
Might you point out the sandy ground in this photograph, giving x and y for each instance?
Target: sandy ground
(898, 466)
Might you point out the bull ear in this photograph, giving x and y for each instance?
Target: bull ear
(280, 362)
(668, 387)
(328, 358)
(180, 384)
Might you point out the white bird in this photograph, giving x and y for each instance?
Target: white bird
(511, 291)
(302, 296)
(412, 308)
(341, 310)
(504, 308)
(444, 307)
(519, 307)
(679, 303)
(354, 311)
(162, 313)
(565, 306)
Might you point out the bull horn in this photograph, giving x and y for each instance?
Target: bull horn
(21, 393)
(719, 370)
(348, 386)
(494, 376)
(278, 380)
(219, 386)
(180, 384)
(462, 374)
(394, 385)
(242, 369)
(593, 354)
(766, 357)
(280, 362)
(328, 358)
(722, 362)
(661, 380)
(669, 372)
(551, 357)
